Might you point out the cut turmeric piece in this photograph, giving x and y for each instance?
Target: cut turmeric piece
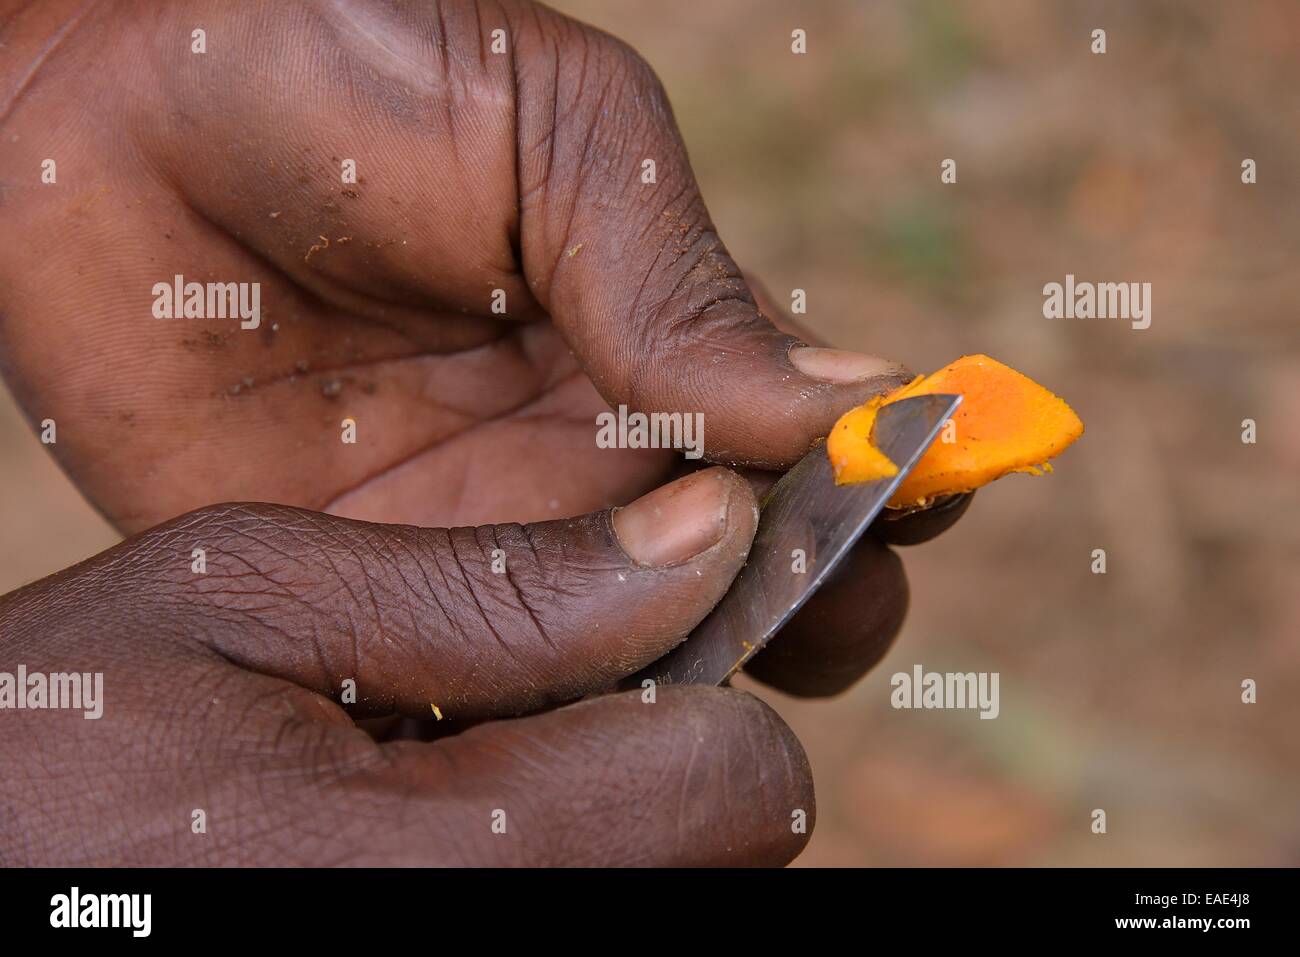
(1006, 423)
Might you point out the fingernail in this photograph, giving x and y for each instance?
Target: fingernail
(839, 365)
(675, 523)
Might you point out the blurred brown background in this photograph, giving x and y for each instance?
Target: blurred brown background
(1118, 691)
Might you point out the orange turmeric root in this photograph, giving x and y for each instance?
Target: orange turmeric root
(1005, 423)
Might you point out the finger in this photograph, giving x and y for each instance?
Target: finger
(915, 525)
(703, 776)
(700, 777)
(844, 629)
(619, 248)
(462, 623)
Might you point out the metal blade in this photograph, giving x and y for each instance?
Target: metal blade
(804, 510)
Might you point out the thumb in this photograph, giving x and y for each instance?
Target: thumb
(619, 248)
(477, 622)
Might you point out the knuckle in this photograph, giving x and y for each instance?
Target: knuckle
(505, 582)
(248, 558)
(248, 579)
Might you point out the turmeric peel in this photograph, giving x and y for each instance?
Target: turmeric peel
(1006, 423)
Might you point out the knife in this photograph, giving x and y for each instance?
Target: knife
(806, 521)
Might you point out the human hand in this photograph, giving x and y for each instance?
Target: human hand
(185, 165)
(477, 171)
(225, 696)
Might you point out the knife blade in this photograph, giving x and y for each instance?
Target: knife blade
(805, 510)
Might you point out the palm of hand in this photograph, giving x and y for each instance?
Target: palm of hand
(376, 294)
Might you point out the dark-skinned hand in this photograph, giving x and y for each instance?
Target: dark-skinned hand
(479, 173)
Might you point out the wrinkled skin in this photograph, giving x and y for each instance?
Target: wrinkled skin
(477, 171)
